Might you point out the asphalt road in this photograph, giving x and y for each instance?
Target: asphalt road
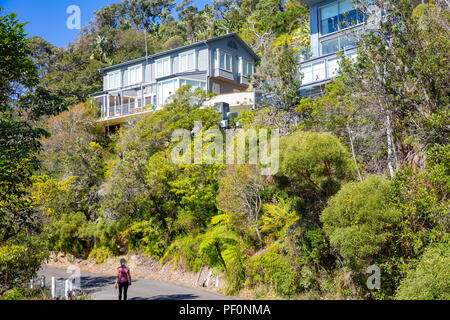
(101, 287)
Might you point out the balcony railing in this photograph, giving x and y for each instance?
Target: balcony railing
(123, 110)
(321, 69)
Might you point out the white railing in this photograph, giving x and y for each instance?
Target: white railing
(123, 110)
(322, 68)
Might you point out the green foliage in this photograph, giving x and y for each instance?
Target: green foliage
(145, 236)
(20, 130)
(278, 217)
(359, 221)
(430, 279)
(184, 252)
(273, 267)
(18, 264)
(100, 255)
(67, 233)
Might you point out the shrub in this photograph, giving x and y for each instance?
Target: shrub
(68, 233)
(276, 268)
(430, 280)
(100, 255)
(146, 236)
(359, 220)
(18, 264)
(315, 160)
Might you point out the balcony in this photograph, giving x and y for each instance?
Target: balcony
(320, 70)
(121, 112)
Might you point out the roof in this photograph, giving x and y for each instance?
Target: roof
(229, 35)
(311, 2)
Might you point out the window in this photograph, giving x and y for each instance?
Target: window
(165, 90)
(187, 61)
(339, 15)
(114, 80)
(163, 67)
(134, 75)
(338, 43)
(216, 88)
(225, 61)
(194, 84)
(247, 68)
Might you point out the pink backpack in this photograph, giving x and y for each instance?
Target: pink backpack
(123, 274)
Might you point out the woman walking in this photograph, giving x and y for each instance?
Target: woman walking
(123, 279)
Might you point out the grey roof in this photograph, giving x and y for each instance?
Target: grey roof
(311, 2)
(230, 35)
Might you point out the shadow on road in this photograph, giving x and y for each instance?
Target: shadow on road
(96, 283)
(175, 297)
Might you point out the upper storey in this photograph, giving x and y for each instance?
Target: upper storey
(227, 57)
(335, 25)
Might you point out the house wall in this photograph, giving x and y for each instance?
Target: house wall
(205, 68)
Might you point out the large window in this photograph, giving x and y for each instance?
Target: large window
(114, 80)
(187, 61)
(165, 90)
(338, 43)
(339, 15)
(134, 75)
(247, 68)
(163, 67)
(194, 84)
(225, 61)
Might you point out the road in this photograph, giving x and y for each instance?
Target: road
(101, 287)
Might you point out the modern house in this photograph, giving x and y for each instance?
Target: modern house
(222, 65)
(336, 26)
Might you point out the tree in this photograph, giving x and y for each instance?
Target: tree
(359, 221)
(314, 165)
(429, 280)
(22, 105)
(401, 77)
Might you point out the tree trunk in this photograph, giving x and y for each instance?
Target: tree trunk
(350, 136)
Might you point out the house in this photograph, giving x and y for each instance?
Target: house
(222, 65)
(336, 26)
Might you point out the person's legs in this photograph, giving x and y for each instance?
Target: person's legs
(125, 291)
(120, 290)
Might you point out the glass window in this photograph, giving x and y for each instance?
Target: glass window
(135, 75)
(194, 84)
(330, 46)
(225, 61)
(247, 68)
(163, 67)
(187, 62)
(114, 80)
(166, 89)
(339, 15)
(329, 18)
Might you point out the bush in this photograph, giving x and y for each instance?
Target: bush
(430, 280)
(359, 220)
(18, 264)
(100, 255)
(273, 268)
(68, 233)
(316, 160)
(146, 236)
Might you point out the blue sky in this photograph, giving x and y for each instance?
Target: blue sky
(47, 18)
